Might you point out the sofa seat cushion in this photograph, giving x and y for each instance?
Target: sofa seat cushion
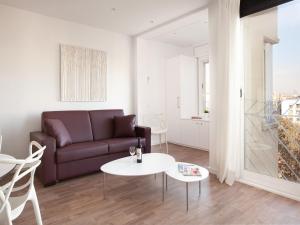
(80, 151)
(122, 144)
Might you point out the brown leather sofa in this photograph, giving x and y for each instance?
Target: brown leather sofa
(92, 145)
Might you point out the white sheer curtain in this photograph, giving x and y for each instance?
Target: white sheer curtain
(225, 63)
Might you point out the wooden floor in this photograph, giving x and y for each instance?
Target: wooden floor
(139, 201)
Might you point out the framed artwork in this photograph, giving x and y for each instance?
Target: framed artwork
(83, 74)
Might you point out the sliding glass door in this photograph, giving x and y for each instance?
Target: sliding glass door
(272, 93)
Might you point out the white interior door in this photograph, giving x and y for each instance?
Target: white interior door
(173, 98)
(188, 87)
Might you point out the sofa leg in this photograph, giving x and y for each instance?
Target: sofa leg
(49, 184)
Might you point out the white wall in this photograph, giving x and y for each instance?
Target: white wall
(202, 52)
(151, 75)
(30, 71)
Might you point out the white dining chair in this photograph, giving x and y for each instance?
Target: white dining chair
(11, 207)
(158, 126)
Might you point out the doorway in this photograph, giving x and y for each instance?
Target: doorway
(172, 79)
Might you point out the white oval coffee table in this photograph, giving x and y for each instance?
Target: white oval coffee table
(174, 173)
(153, 163)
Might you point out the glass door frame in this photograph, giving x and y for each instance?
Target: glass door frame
(275, 185)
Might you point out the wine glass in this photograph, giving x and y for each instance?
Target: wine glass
(132, 150)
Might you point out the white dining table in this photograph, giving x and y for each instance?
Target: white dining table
(5, 168)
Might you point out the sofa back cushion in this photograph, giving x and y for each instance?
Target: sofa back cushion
(103, 123)
(77, 123)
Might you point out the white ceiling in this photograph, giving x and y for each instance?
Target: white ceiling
(131, 17)
(191, 35)
(193, 32)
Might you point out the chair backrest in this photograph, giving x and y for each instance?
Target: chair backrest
(24, 167)
(154, 120)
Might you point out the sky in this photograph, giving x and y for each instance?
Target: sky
(286, 54)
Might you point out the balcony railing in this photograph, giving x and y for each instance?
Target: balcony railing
(278, 134)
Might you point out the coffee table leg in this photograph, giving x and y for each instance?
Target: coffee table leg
(187, 196)
(166, 182)
(199, 189)
(104, 180)
(163, 186)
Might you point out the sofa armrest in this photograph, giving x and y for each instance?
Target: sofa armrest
(47, 170)
(144, 132)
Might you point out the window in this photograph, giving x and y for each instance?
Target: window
(206, 87)
(203, 87)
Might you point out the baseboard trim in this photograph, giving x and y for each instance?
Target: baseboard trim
(269, 189)
(188, 146)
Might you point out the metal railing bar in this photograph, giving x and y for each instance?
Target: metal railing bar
(285, 148)
(298, 178)
(258, 131)
(277, 139)
(292, 155)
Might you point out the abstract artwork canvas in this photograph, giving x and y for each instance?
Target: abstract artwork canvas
(83, 74)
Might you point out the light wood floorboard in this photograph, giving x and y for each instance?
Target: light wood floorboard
(137, 200)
